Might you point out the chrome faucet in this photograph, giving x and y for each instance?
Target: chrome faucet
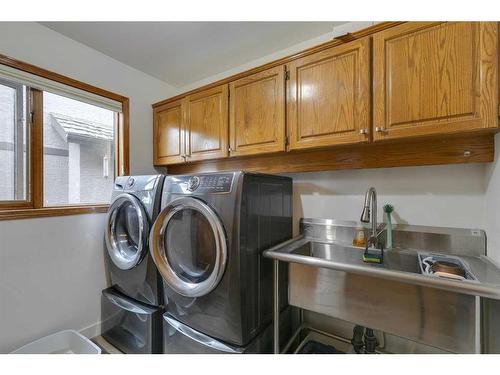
(370, 213)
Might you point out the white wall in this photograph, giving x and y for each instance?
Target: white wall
(52, 269)
(51, 276)
(447, 196)
(492, 204)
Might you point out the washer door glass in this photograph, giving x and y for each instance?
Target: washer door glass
(127, 231)
(188, 245)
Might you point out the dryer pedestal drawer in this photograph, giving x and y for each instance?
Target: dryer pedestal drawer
(179, 338)
(131, 326)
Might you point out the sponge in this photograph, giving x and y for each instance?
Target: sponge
(371, 258)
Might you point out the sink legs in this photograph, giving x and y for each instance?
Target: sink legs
(276, 308)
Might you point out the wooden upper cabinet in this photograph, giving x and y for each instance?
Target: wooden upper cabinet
(168, 133)
(207, 124)
(435, 77)
(329, 97)
(257, 113)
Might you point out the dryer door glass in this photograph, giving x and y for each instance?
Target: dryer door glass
(127, 231)
(191, 245)
(188, 245)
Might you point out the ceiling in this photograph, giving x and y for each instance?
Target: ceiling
(180, 53)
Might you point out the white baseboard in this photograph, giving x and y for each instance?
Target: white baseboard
(92, 330)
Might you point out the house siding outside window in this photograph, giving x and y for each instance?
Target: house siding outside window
(78, 151)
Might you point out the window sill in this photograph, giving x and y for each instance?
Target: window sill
(27, 213)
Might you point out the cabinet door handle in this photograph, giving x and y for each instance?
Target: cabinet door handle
(363, 131)
(380, 129)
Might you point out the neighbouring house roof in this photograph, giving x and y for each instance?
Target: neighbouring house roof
(72, 128)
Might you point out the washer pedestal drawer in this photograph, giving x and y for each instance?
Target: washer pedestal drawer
(131, 326)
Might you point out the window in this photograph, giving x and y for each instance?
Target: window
(62, 142)
(13, 161)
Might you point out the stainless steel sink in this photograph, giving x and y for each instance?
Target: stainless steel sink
(324, 244)
(396, 260)
(327, 275)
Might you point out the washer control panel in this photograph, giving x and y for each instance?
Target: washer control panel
(130, 182)
(206, 183)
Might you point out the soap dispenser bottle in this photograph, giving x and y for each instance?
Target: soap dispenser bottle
(359, 239)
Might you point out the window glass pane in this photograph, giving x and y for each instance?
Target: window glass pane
(78, 152)
(13, 167)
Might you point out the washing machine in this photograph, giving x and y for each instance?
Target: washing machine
(132, 306)
(207, 244)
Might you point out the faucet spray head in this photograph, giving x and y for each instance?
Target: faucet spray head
(365, 215)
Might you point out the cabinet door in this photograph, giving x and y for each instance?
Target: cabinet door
(435, 77)
(168, 134)
(257, 113)
(329, 97)
(207, 124)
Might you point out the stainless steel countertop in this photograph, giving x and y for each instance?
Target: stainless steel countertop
(399, 265)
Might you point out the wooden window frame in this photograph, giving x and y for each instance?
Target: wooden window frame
(33, 206)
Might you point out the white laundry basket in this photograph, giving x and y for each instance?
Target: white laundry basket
(64, 342)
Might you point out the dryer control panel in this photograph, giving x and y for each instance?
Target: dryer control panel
(220, 183)
(203, 183)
